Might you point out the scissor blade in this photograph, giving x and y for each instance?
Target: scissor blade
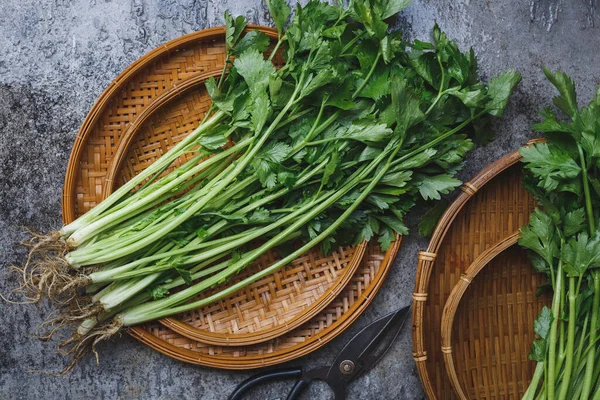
(367, 347)
(380, 345)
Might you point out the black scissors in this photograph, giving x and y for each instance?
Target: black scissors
(361, 353)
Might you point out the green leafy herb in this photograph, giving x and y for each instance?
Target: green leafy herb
(499, 90)
(430, 219)
(159, 292)
(540, 237)
(185, 275)
(564, 244)
(233, 30)
(433, 187)
(280, 12)
(580, 253)
(550, 164)
(541, 326)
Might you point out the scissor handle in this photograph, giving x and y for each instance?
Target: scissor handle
(317, 374)
(297, 390)
(242, 388)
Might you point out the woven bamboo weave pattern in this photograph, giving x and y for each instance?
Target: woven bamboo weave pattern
(135, 96)
(165, 128)
(137, 87)
(493, 328)
(494, 206)
(270, 303)
(319, 330)
(492, 214)
(152, 104)
(454, 300)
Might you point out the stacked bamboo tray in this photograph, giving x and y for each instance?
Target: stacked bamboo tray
(475, 292)
(149, 107)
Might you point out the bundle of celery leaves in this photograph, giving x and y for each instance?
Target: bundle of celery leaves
(564, 242)
(331, 149)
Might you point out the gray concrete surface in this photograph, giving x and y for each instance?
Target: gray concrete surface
(56, 56)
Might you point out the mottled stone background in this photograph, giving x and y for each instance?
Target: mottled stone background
(56, 57)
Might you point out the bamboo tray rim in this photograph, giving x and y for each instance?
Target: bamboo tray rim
(427, 257)
(455, 298)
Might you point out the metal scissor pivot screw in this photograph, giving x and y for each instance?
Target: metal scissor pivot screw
(346, 367)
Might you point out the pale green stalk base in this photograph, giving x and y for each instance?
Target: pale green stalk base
(117, 195)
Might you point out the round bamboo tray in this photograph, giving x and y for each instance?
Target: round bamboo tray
(493, 329)
(164, 85)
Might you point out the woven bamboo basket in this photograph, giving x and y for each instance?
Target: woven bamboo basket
(148, 107)
(492, 328)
